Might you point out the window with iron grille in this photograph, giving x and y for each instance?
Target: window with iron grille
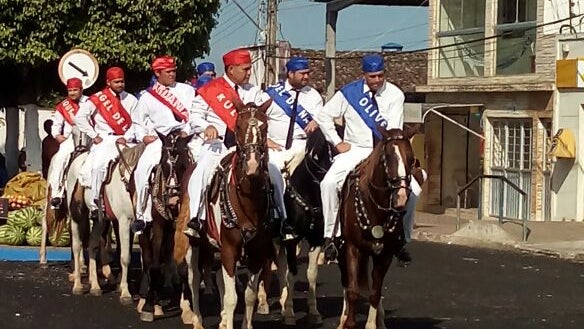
(511, 144)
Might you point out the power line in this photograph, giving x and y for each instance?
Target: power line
(247, 15)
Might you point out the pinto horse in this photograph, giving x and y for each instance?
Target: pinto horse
(373, 203)
(157, 239)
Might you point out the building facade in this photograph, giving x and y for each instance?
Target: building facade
(501, 56)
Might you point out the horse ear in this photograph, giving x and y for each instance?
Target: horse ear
(161, 136)
(264, 107)
(384, 132)
(411, 129)
(239, 106)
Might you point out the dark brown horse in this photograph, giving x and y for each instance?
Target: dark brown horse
(157, 239)
(374, 199)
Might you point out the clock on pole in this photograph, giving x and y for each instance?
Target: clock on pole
(79, 63)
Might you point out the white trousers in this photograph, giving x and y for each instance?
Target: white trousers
(149, 159)
(290, 158)
(59, 163)
(101, 154)
(209, 159)
(333, 181)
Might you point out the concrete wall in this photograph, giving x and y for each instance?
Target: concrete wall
(568, 175)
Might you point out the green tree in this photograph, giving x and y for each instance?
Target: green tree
(35, 33)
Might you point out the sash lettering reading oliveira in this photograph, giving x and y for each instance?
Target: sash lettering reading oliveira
(112, 110)
(164, 96)
(68, 108)
(221, 98)
(362, 103)
(285, 101)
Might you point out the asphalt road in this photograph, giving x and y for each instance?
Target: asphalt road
(446, 287)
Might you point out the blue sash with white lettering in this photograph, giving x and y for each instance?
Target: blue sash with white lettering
(362, 103)
(285, 101)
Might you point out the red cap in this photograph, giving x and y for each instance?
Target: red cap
(163, 63)
(237, 57)
(114, 73)
(74, 83)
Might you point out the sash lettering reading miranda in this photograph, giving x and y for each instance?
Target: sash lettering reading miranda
(68, 108)
(112, 110)
(285, 101)
(164, 96)
(362, 103)
(221, 98)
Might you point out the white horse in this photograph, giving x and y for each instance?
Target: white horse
(121, 206)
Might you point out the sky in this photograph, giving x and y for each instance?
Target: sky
(302, 23)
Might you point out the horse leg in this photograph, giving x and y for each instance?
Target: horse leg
(251, 294)
(353, 258)
(94, 247)
(265, 280)
(343, 318)
(104, 250)
(125, 246)
(314, 316)
(76, 246)
(380, 267)
(195, 284)
(381, 315)
(286, 259)
(229, 298)
(45, 229)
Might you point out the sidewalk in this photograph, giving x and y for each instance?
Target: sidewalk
(556, 239)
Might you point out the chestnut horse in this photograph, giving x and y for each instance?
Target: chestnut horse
(373, 203)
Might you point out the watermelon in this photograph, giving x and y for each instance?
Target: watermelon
(63, 241)
(10, 235)
(24, 218)
(34, 236)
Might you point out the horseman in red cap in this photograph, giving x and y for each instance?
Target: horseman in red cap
(107, 119)
(62, 131)
(164, 108)
(217, 121)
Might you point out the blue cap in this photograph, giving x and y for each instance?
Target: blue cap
(373, 63)
(203, 80)
(204, 67)
(297, 64)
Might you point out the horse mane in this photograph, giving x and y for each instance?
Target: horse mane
(367, 166)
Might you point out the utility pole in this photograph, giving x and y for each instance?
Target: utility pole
(270, 74)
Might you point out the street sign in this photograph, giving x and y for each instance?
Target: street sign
(79, 63)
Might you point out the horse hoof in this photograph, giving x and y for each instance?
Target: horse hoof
(95, 292)
(289, 321)
(187, 317)
(77, 291)
(140, 305)
(126, 300)
(147, 316)
(158, 310)
(44, 266)
(314, 319)
(263, 308)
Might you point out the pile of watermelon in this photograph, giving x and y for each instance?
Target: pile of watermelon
(24, 225)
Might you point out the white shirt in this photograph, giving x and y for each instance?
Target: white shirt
(92, 123)
(60, 125)
(152, 116)
(278, 120)
(390, 101)
(204, 115)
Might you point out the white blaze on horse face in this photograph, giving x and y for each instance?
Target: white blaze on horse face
(402, 195)
(252, 162)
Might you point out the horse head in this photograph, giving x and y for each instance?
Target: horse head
(393, 167)
(319, 155)
(251, 130)
(176, 157)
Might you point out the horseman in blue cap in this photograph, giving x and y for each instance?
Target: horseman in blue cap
(290, 120)
(350, 103)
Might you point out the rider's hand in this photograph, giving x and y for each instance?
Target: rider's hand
(343, 147)
(97, 140)
(274, 146)
(211, 133)
(60, 138)
(310, 127)
(121, 141)
(149, 139)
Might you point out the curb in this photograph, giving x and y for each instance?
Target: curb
(490, 244)
(31, 254)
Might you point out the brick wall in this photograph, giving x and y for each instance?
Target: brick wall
(404, 70)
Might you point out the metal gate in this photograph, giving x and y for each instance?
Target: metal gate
(512, 143)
